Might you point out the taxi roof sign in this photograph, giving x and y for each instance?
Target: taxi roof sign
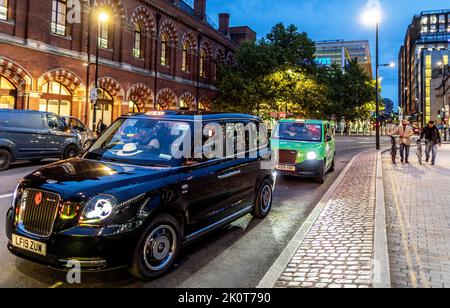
(155, 113)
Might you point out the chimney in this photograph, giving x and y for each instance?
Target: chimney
(224, 23)
(200, 9)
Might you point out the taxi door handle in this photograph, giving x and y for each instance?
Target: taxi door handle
(229, 175)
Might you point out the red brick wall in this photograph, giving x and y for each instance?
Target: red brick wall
(28, 43)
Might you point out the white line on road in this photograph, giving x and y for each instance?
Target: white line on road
(6, 196)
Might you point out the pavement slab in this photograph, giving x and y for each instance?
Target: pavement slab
(418, 221)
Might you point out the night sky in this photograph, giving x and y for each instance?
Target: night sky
(333, 19)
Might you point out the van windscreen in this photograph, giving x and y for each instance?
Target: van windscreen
(21, 120)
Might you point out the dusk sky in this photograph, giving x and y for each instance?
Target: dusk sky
(333, 19)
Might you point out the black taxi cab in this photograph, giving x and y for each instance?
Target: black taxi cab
(148, 185)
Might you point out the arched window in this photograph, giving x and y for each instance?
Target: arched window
(165, 51)
(56, 98)
(133, 107)
(103, 34)
(186, 63)
(8, 94)
(3, 9)
(203, 62)
(137, 50)
(184, 105)
(104, 109)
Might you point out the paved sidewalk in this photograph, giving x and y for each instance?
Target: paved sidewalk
(338, 249)
(418, 221)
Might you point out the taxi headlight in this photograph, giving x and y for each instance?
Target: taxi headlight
(311, 155)
(98, 209)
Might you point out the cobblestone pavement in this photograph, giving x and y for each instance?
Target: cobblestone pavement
(418, 221)
(338, 250)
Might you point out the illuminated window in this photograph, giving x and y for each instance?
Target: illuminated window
(133, 107)
(442, 19)
(183, 105)
(8, 94)
(433, 28)
(433, 19)
(137, 41)
(3, 9)
(425, 20)
(203, 59)
(185, 63)
(164, 51)
(59, 17)
(56, 98)
(103, 34)
(442, 28)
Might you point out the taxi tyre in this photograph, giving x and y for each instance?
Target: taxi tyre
(320, 179)
(139, 266)
(263, 200)
(333, 165)
(6, 158)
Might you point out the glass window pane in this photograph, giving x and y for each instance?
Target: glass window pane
(53, 106)
(7, 102)
(64, 108)
(5, 84)
(3, 9)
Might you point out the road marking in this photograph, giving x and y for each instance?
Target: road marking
(56, 285)
(6, 196)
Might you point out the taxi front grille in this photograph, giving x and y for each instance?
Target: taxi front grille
(39, 213)
(287, 157)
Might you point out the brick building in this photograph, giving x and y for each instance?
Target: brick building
(153, 54)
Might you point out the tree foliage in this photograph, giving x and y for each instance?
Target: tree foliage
(278, 74)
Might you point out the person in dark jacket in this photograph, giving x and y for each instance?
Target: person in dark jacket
(100, 127)
(432, 137)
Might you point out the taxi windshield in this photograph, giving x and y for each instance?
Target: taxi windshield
(147, 142)
(298, 132)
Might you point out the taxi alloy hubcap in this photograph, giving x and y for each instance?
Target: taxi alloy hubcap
(160, 247)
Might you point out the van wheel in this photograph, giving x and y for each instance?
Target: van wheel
(5, 159)
(321, 177)
(71, 152)
(157, 249)
(263, 201)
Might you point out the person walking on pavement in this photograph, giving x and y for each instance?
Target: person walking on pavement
(432, 137)
(100, 127)
(405, 132)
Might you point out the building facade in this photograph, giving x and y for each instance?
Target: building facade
(152, 54)
(340, 52)
(423, 58)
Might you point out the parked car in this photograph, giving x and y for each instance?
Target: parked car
(86, 134)
(304, 148)
(34, 135)
(130, 201)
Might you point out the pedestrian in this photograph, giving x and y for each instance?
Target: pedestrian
(432, 137)
(100, 127)
(405, 133)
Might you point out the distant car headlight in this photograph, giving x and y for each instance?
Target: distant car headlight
(311, 155)
(98, 209)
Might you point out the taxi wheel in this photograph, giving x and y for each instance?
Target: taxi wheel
(157, 248)
(333, 165)
(5, 159)
(321, 177)
(263, 201)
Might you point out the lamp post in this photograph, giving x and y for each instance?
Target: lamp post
(373, 16)
(102, 18)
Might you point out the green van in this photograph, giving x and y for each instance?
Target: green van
(304, 148)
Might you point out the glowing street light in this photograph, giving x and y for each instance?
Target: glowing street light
(103, 17)
(372, 16)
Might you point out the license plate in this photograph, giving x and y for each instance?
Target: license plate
(286, 168)
(29, 245)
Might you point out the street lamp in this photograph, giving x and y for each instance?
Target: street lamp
(102, 18)
(370, 17)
